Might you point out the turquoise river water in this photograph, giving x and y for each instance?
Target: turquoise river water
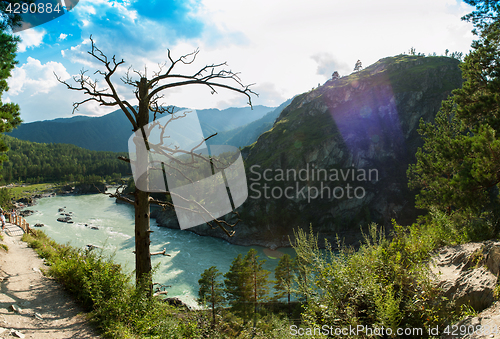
(190, 254)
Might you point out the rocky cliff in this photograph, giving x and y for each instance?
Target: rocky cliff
(337, 156)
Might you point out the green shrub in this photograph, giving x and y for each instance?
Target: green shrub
(117, 307)
(386, 282)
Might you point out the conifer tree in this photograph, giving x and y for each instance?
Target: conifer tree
(358, 66)
(246, 283)
(458, 168)
(211, 290)
(284, 274)
(236, 285)
(9, 112)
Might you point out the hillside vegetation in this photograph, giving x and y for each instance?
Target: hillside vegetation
(37, 162)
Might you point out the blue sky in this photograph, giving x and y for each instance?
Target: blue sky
(284, 47)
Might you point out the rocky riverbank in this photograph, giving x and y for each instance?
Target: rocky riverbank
(244, 235)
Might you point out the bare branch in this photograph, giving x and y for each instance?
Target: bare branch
(164, 252)
(209, 75)
(124, 159)
(118, 195)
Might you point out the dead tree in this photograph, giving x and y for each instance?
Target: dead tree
(148, 95)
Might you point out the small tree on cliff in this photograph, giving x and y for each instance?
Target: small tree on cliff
(358, 66)
(148, 92)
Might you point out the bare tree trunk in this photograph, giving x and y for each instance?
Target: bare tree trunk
(142, 230)
(142, 241)
(149, 97)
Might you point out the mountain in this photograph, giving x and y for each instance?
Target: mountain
(111, 131)
(248, 134)
(336, 157)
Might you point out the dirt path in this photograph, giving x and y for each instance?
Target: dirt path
(46, 310)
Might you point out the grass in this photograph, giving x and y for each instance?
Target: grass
(3, 246)
(25, 191)
(121, 310)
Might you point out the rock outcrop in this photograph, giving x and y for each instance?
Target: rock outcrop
(468, 275)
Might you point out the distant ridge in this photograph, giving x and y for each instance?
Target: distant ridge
(111, 131)
(248, 134)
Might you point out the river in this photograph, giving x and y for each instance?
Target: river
(190, 254)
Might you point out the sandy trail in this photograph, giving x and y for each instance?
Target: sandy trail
(46, 310)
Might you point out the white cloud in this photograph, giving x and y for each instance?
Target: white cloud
(285, 48)
(30, 38)
(296, 44)
(62, 36)
(34, 77)
(327, 64)
(34, 87)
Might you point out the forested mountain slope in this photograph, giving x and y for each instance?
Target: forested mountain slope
(37, 162)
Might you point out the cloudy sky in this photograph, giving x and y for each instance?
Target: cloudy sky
(283, 47)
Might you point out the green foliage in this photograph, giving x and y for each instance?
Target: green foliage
(211, 290)
(10, 19)
(35, 162)
(284, 273)
(486, 12)
(308, 253)
(496, 291)
(5, 198)
(246, 283)
(386, 282)
(9, 112)
(457, 168)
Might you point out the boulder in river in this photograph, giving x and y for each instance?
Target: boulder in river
(64, 219)
(26, 213)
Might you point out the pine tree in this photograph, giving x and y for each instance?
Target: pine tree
(246, 283)
(259, 278)
(236, 285)
(9, 112)
(457, 169)
(358, 66)
(284, 274)
(211, 290)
